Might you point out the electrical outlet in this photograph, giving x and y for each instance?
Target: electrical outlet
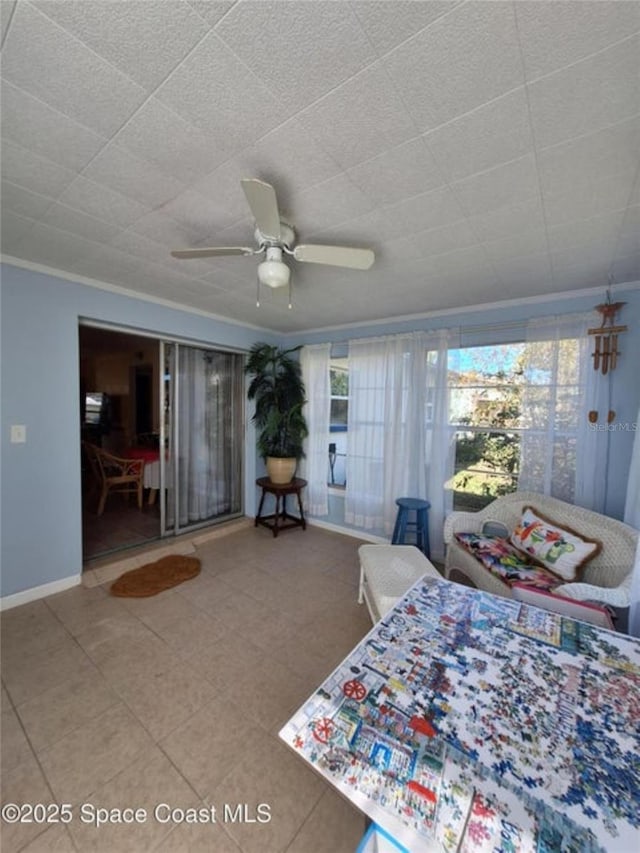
(18, 434)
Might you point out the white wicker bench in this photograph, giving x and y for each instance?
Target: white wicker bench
(606, 578)
(387, 572)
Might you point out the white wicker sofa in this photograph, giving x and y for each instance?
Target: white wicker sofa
(606, 578)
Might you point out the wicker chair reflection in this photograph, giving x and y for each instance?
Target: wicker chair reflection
(114, 474)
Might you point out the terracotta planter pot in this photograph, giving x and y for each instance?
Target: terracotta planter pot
(281, 471)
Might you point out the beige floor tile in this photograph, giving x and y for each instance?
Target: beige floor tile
(93, 754)
(5, 701)
(53, 840)
(164, 699)
(157, 611)
(228, 659)
(290, 790)
(269, 694)
(208, 746)
(14, 747)
(125, 626)
(60, 710)
(126, 658)
(186, 636)
(34, 674)
(149, 782)
(24, 784)
(199, 838)
(87, 615)
(35, 633)
(334, 826)
(204, 590)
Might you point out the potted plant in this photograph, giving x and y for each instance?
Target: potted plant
(278, 390)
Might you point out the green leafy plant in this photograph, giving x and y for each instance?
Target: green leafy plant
(279, 394)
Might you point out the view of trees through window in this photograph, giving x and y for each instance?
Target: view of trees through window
(499, 397)
(486, 386)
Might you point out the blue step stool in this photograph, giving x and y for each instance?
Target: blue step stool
(420, 525)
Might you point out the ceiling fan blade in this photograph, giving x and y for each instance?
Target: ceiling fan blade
(212, 252)
(264, 206)
(337, 256)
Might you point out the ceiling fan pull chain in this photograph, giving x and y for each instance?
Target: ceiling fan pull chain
(289, 294)
(257, 291)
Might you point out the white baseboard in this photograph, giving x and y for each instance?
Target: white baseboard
(348, 531)
(27, 595)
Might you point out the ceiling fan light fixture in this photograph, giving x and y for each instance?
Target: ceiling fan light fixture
(273, 272)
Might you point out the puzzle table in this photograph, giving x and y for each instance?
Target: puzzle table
(468, 722)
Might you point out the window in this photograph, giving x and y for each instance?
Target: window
(485, 386)
(510, 403)
(339, 378)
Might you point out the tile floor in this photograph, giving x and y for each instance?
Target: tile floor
(177, 699)
(121, 525)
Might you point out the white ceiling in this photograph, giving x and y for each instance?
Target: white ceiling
(484, 150)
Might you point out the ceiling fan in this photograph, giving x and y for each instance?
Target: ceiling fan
(276, 238)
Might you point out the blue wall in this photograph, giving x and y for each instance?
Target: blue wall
(40, 507)
(40, 492)
(509, 320)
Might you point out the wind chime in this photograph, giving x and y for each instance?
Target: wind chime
(605, 354)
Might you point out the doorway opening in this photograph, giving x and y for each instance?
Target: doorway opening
(162, 436)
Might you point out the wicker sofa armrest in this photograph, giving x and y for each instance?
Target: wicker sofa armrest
(462, 522)
(617, 596)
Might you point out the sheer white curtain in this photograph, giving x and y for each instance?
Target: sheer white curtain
(314, 361)
(207, 448)
(440, 439)
(387, 380)
(563, 453)
(632, 517)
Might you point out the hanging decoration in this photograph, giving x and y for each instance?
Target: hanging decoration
(605, 354)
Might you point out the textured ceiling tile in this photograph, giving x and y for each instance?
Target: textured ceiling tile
(495, 133)
(144, 40)
(507, 221)
(156, 252)
(83, 86)
(288, 156)
(23, 202)
(628, 241)
(68, 219)
(55, 248)
(613, 151)
(529, 268)
(626, 268)
(32, 124)
(402, 172)
(196, 214)
(437, 241)
(429, 210)
(217, 93)
(317, 46)
(601, 230)
(461, 61)
(388, 24)
(525, 243)
(138, 179)
(360, 119)
(35, 173)
(334, 201)
(211, 11)
(507, 184)
(6, 11)
(591, 95)
(159, 135)
(12, 229)
(161, 228)
(569, 32)
(589, 198)
(102, 202)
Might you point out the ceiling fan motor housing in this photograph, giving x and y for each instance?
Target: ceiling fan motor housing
(286, 239)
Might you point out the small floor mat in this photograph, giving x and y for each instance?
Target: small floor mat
(153, 578)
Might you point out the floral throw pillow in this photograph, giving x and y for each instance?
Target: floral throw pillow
(561, 550)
